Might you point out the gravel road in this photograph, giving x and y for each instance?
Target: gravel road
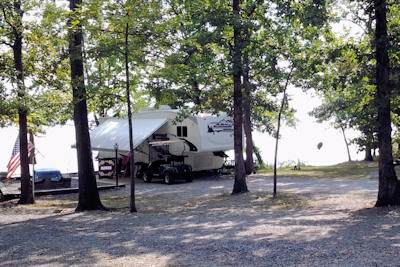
(313, 222)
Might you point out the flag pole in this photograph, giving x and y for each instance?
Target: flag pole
(33, 161)
(33, 177)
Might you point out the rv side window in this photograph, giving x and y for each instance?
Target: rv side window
(181, 131)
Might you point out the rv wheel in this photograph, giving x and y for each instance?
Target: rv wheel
(168, 179)
(189, 178)
(146, 177)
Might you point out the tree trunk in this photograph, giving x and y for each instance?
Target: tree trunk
(26, 187)
(132, 155)
(346, 142)
(197, 93)
(258, 155)
(88, 193)
(278, 128)
(369, 141)
(388, 193)
(368, 153)
(240, 185)
(249, 164)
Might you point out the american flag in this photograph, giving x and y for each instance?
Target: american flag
(15, 158)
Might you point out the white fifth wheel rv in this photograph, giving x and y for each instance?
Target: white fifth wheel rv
(201, 139)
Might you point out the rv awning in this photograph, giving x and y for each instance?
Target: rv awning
(116, 131)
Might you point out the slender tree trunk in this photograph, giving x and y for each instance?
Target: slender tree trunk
(368, 146)
(249, 164)
(388, 193)
(26, 187)
(197, 93)
(88, 193)
(128, 99)
(240, 185)
(278, 128)
(346, 142)
(258, 155)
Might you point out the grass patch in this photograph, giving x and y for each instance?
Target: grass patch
(117, 202)
(253, 200)
(41, 206)
(224, 194)
(55, 203)
(220, 203)
(348, 170)
(282, 201)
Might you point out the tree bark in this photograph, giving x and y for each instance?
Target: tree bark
(368, 153)
(240, 185)
(388, 193)
(346, 142)
(369, 141)
(197, 93)
(88, 193)
(26, 186)
(249, 164)
(132, 155)
(278, 128)
(258, 155)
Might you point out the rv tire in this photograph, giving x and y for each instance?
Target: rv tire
(168, 179)
(189, 178)
(146, 177)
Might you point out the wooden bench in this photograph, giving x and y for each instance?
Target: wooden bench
(46, 184)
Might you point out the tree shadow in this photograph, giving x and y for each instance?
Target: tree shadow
(214, 230)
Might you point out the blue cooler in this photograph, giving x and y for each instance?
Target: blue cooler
(47, 173)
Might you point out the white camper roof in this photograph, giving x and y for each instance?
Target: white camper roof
(116, 131)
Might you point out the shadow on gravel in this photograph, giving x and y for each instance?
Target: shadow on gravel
(365, 237)
(215, 230)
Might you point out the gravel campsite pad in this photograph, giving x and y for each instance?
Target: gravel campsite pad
(312, 222)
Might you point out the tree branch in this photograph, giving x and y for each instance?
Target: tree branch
(6, 43)
(254, 8)
(6, 20)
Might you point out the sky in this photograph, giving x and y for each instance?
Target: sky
(54, 148)
(300, 143)
(297, 144)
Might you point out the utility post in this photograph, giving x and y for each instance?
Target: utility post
(116, 164)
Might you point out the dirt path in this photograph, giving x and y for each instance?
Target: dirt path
(261, 183)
